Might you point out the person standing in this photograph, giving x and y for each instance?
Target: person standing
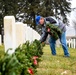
(52, 20)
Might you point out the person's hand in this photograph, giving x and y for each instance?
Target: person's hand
(48, 30)
(43, 43)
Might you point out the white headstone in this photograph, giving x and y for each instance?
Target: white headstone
(25, 32)
(20, 38)
(9, 34)
(74, 43)
(35, 35)
(38, 36)
(29, 34)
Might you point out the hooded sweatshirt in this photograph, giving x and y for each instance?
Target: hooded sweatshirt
(51, 20)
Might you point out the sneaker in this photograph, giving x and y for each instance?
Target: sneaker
(53, 54)
(66, 56)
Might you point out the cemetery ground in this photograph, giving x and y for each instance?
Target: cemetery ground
(57, 65)
(54, 65)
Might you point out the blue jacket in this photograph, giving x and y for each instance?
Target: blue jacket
(54, 21)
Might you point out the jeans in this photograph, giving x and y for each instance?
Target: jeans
(62, 39)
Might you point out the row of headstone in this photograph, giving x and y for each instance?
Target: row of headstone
(71, 42)
(17, 33)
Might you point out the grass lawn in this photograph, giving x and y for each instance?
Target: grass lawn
(57, 65)
(54, 65)
(1, 50)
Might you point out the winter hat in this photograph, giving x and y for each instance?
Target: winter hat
(37, 19)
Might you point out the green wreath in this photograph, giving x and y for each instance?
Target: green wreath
(55, 32)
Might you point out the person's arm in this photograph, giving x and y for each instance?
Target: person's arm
(43, 36)
(51, 20)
